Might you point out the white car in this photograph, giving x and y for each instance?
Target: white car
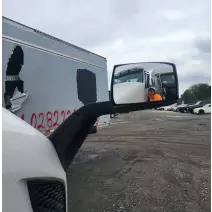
(172, 107)
(162, 108)
(168, 108)
(204, 109)
(175, 108)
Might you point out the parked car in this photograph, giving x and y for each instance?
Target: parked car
(163, 108)
(172, 106)
(197, 105)
(168, 108)
(184, 108)
(180, 106)
(203, 110)
(176, 108)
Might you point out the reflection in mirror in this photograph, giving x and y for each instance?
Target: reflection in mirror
(144, 82)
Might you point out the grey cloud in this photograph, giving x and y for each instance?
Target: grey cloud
(203, 45)
(192, 78)
(98, 25)
(102, 22)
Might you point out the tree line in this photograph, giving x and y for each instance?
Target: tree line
(197, 92)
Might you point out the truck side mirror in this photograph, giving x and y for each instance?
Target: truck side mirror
(128, 90)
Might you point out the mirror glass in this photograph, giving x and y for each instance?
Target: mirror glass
(144, 82)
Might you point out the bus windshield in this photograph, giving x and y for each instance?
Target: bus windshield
(131, 76)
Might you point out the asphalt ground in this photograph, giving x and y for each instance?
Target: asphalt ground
(145, 161)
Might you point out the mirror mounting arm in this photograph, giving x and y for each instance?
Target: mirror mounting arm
(70, 135)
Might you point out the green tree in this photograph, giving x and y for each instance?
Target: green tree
(197, 92)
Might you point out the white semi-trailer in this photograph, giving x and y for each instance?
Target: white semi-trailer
(46, 79)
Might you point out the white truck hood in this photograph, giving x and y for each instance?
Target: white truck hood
(27, 154)
(129, 92)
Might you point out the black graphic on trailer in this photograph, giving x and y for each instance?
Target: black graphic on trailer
(86, 86)
(14, 95)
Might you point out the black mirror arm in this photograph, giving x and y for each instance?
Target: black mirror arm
(70, 135)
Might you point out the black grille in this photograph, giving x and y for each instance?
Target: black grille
(47, 196)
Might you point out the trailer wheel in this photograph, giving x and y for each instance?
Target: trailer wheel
(201, 111)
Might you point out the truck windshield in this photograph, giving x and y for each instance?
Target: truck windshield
(134, 76)
(169, 77)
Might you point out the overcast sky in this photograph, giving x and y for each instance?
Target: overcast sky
(128, 31)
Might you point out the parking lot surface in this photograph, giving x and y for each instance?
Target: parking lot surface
(145, 161)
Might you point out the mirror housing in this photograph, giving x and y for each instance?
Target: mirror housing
(144, 83)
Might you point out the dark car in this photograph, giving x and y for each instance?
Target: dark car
(184, 108)
(198, 104)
